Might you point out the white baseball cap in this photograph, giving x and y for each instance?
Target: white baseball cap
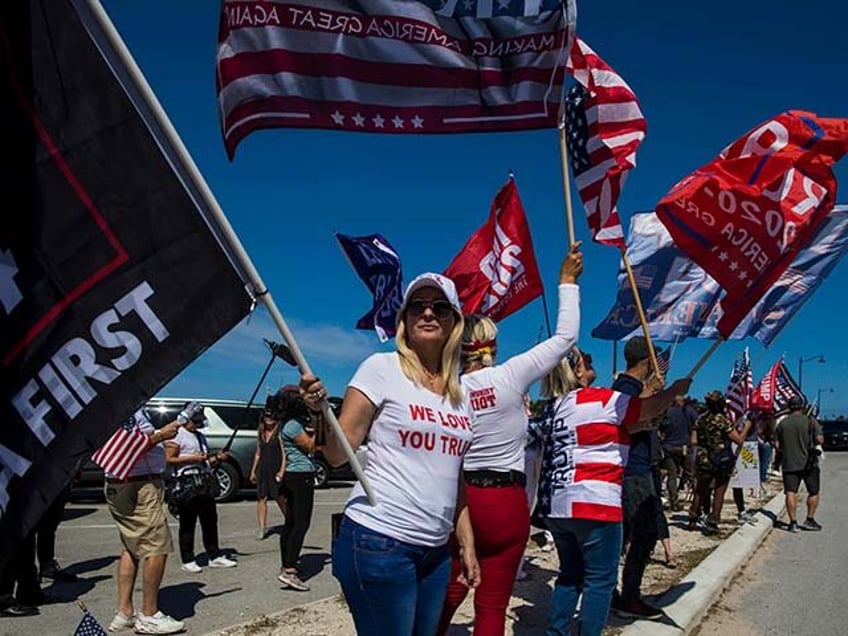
(430, 279)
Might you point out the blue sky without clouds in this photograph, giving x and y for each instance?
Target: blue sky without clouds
(705, 73)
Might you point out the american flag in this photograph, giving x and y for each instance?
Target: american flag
(604, 126)
(740, 387)
(121, 451)
(664, 361)
(434, 66)
(88, 626)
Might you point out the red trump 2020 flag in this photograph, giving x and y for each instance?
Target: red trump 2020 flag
(605, 126)
(744, 216)
(495, 272)
(431, 66)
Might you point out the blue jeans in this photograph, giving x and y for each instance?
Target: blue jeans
(588, 554)
(392, 588)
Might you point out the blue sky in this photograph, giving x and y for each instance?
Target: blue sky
(705, 73)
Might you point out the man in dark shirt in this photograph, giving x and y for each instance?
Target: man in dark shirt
(797, 435)
(640, 501)
(680, 419)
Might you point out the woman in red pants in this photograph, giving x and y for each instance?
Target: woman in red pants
(494, 464)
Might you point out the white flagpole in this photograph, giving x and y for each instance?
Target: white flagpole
(89, 10)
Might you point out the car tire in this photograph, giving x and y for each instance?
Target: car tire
(322, 473)
(229, 481)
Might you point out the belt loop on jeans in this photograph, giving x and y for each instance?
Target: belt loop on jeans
(494, 478)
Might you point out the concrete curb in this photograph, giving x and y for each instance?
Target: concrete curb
(687, 602)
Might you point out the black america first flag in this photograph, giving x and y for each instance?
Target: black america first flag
(111, 278)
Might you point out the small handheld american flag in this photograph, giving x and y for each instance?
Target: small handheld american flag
(126, 446)
(88, 625)
(740, 387)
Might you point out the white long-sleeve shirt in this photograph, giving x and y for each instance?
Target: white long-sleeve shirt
(497, 393)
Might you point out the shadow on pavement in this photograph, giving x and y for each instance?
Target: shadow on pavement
(180, 600)
(68, 592)
(92, 564)
(313, 564)
(75, 513)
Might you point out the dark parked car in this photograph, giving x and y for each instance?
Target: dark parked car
(226, 417)
(835, 434)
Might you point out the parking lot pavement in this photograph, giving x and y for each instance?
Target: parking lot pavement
(88, 545)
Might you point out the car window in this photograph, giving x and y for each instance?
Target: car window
(161, 414)
(240, 417)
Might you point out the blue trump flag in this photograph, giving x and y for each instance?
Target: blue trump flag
(677, 294)
(378, 265)
(681, 300)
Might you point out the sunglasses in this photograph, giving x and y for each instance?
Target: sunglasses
(587, 361)
(440, 308)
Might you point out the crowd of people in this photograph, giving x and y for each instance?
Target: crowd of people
(458, 467)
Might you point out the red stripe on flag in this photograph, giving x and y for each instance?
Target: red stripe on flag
(598, 512)
(596, 433)
(598, 471)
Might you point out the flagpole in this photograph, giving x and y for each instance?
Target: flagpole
(227, 234)
(637, 299)
(566, 184)
(704, 358)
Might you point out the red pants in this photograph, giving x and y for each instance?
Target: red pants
(501, 521)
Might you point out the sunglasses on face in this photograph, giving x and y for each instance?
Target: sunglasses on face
(587, 361)
(440, 308)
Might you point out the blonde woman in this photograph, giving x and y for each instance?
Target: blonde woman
(494, 465)
(269, 466)
(392, 559)
(587, 445)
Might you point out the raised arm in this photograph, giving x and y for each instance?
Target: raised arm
(657, 404)
(526, 368)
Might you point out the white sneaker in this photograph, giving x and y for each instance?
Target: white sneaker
(222, 562)
(192, 567)
(159, 623)
(121, 622)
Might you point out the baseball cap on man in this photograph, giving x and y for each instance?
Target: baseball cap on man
(636, 350)
(430, 279)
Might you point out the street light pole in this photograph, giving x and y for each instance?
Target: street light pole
(819, 391)
(801, 360)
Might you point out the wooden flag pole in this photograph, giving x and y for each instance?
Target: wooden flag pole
(566, 184)
(642, 317)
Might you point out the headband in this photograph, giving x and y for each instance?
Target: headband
(479, 346)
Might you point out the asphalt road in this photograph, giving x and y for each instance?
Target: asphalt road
(795, 583)
(87, 544)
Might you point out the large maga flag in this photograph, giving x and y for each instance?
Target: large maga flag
(391, 66)
(744, 216)
(111, 280)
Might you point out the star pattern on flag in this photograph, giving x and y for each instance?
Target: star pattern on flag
(417, 122)
(378, 121)
(723, 256)
(358, 120)
(338, 118)
(397, 120)
(88, 626)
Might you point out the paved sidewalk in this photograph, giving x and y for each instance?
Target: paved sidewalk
(686, 604)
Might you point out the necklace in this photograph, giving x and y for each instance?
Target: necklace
(430, 378)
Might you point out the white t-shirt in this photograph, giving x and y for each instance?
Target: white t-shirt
(191, 444)
(497, 393)
(415, 448)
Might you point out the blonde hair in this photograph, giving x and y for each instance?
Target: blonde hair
(479, 341)
(561, 380)
(411, 365)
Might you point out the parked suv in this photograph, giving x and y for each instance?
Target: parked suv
(226, 417)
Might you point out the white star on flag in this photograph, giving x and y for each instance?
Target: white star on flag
(417, 122)
(359, 120)
(378, 121)
(734, 266)
(397, 120)
(338, 118)
(723, 256)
